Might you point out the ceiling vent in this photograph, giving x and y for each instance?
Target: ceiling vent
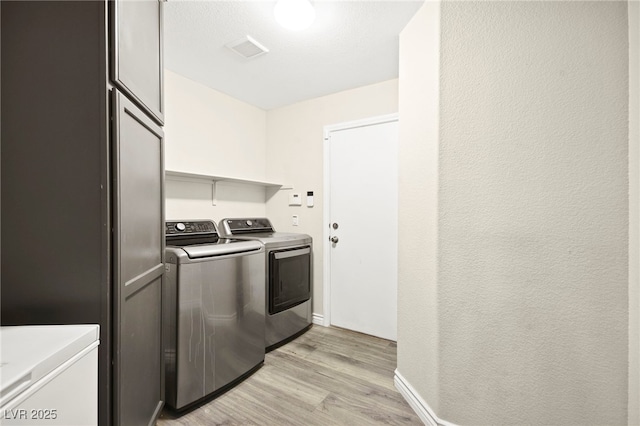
(247, 47)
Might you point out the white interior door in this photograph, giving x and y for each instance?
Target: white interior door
(363, 215)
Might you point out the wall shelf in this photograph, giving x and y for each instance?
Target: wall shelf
(213, 180)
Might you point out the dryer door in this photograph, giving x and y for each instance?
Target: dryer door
(289, 278)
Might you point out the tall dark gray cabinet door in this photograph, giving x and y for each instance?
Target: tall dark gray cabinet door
(138, 263)
(136, 62)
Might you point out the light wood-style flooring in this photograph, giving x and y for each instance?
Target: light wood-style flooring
(327, 376)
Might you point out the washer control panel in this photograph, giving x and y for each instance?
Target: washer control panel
(190, 227)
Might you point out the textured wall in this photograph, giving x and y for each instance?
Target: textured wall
(528, 258)
(419, 86)
(533, 289)
(634, 213)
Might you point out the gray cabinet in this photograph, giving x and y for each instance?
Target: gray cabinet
(138, 224)
(82, 188)
(138, 209)
(136, 54)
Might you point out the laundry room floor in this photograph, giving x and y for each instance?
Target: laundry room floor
(327, 376)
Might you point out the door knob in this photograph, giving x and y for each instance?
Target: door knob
(335, 225)
(334, 239)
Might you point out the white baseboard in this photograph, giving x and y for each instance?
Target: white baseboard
(318, 319)
(416, 402)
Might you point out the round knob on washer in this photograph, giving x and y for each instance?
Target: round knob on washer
(180, 227)
(249, 223)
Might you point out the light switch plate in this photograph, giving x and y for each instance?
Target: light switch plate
(294, 220)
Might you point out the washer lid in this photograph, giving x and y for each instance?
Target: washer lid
(214, 250)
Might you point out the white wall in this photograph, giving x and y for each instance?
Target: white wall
(295, 157)
(532, 231)
(189, 200)
(419, 88)
(534, 203)
(208, 132)
(634, 213)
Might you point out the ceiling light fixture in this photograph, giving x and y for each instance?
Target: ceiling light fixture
(294, 15)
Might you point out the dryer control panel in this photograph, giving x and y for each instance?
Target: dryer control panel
(243, 226)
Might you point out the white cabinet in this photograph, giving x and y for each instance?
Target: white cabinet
(49, 375)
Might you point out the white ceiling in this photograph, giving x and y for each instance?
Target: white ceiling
(350, 44)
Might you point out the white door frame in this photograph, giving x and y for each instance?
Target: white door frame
(326, 264)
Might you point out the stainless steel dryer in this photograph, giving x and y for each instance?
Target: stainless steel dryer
(214, 311)
(289, 278)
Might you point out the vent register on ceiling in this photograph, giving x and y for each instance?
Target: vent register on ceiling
(247, 47)
(294, 15)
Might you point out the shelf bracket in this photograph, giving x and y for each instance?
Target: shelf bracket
(214, 192)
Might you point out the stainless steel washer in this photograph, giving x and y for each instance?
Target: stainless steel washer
(214, 311)
(289, 276)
